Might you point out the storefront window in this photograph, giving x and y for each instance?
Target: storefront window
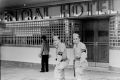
(29, 33)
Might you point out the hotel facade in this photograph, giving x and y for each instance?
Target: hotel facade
(96, 21)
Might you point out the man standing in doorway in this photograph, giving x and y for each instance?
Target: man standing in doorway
(44, 54)
(61, 59)
(80, 55)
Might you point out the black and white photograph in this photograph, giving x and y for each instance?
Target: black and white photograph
(60, 39)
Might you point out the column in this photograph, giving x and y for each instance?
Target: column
(114, 43)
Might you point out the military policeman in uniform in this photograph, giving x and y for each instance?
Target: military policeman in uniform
(61, 58)
(80, 55)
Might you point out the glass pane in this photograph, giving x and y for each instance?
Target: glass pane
(88, 38)
(88, 31)
(103, 41)
(103, 31)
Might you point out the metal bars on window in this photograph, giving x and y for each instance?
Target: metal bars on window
(29, 33)
(114, 32)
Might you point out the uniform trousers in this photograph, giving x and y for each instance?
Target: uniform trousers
(60, 70)
(79, 69)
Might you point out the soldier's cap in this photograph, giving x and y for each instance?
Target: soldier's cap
(55, 37)
(75, 35)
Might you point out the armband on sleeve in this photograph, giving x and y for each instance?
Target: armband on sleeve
(84, 50)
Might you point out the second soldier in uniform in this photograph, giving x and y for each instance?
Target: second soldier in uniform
(61, 59)
(80, 56)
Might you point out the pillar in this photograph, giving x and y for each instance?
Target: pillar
(114, 43)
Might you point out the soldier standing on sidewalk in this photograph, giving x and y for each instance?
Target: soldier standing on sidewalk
(61, 59)
(80, 55)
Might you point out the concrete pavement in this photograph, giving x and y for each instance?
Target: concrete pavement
(18, 73)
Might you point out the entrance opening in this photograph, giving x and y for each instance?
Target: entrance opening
(95, 34)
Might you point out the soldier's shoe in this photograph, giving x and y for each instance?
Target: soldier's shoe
(42, 71)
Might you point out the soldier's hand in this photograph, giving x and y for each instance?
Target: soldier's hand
(49, 55)
(40, 55)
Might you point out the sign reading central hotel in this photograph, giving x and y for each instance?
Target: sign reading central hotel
(88, 8)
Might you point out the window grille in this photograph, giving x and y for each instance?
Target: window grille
(114, 32)
(29, 33)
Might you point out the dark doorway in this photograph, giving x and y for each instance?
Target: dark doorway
(95, 34)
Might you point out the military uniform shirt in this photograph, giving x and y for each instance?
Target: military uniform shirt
(78, 49)
(62, 48)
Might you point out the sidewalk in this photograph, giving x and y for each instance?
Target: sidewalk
(15, 73)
